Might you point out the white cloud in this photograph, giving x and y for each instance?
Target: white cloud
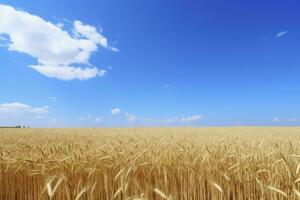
(68, 73)
(57, 52)
(114, 49)
(115, 111)
(20, 108)
(191, 118)
(281, 34)
(89, 32)
(98, 119)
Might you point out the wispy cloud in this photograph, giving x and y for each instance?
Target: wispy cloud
(122, 117)
(277, 119)
(90, 118)
(58, 53)
(169, 120)
(114, 49)
(191, 118)
(175, 120)
(281, 34)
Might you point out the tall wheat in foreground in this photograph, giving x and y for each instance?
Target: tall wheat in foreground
(150, 163)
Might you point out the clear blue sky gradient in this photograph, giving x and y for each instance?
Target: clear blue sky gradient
(222, 60)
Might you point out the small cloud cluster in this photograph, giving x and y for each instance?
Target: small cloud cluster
(90, 117)
(115, 111)
(129, 116)
(132, 118)
(188, 119)
(277, 119)
(22, 113)
(168, 120)
(191, 118)
(58, 53)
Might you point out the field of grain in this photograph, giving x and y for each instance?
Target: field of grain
(150, 163)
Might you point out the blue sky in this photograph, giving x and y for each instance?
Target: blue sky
(149, 63)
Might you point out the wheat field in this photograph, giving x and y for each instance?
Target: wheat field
(150, 163)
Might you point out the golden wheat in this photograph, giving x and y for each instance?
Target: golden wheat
(150, 163)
